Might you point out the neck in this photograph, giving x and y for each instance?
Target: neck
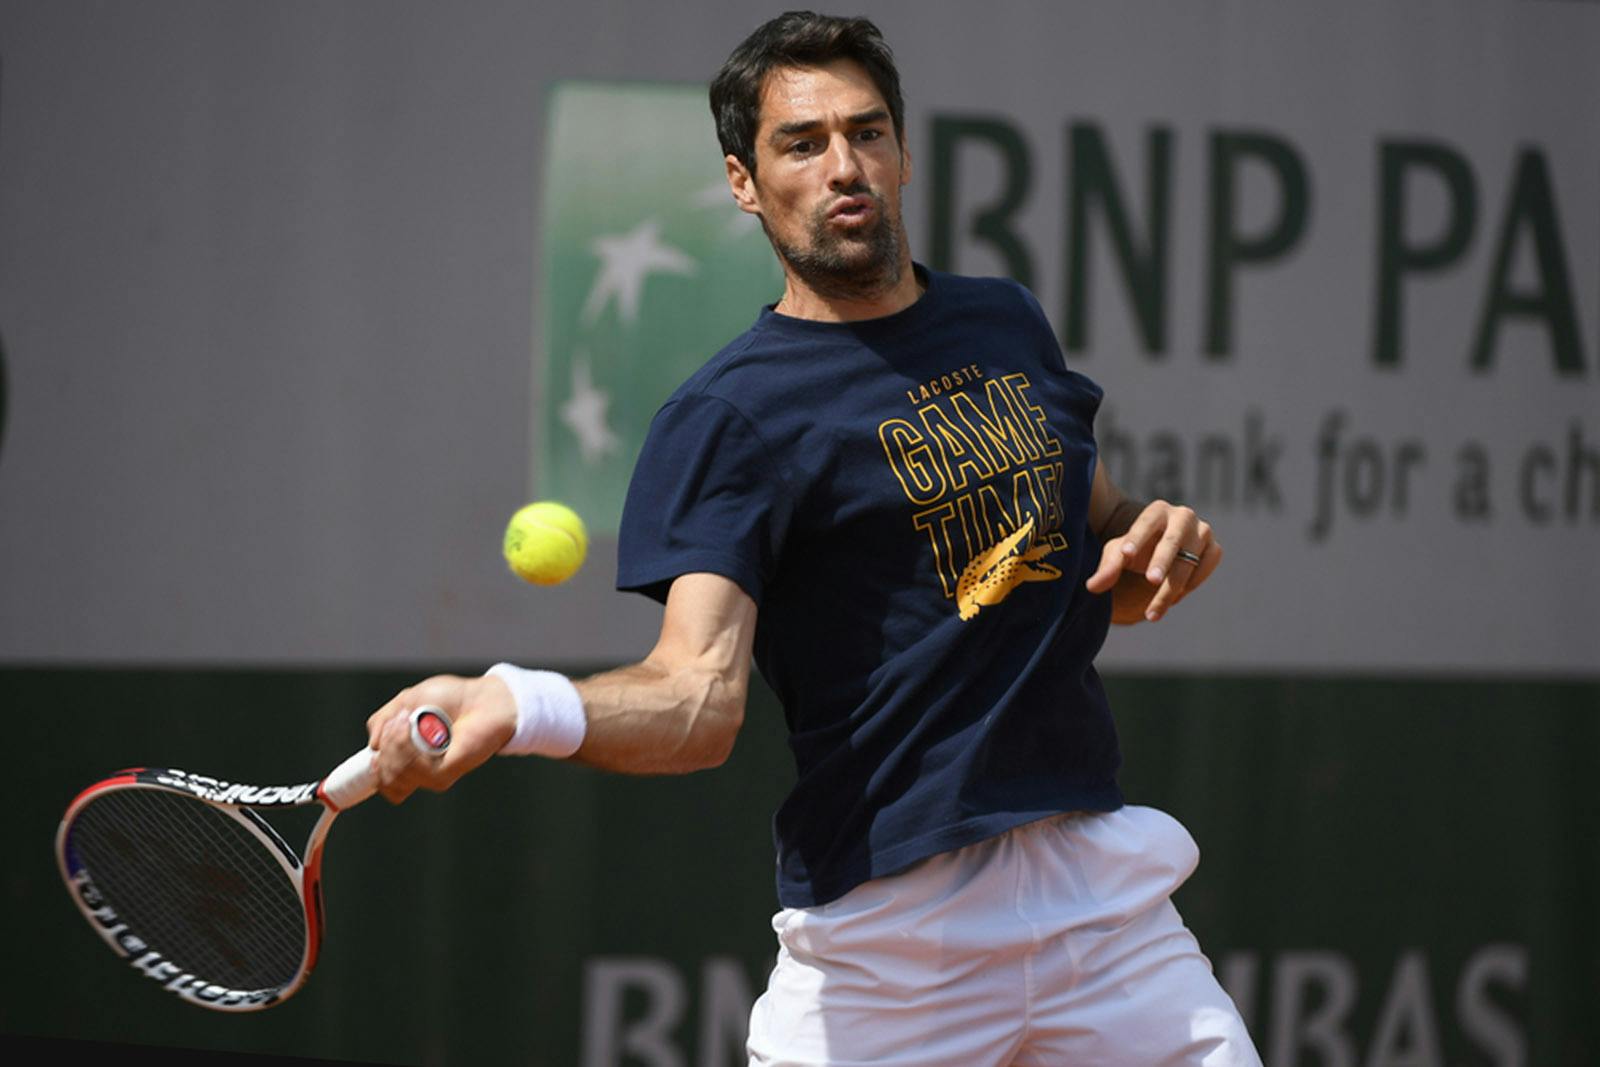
(801, 301)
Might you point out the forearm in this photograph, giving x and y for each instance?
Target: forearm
(654, 719)
(1111, 511)
(677, 711)
(1119, 519)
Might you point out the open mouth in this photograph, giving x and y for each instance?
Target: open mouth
(850, 208)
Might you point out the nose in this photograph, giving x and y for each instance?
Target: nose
(844, 169)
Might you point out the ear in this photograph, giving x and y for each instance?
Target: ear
(905, 164)
(743, 185)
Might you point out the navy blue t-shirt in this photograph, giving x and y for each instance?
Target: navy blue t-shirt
(906, 500)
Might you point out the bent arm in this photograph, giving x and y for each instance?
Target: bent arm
(679, 709)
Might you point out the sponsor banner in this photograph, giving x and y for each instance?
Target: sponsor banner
(271, 390)
(1388, 875)
(1359, 339)
(1296, 322)
(1316, 1006)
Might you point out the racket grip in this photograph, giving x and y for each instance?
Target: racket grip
(356, 779)
(352, 781)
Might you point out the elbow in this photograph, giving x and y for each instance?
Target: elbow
(718, 729)
(716, 699)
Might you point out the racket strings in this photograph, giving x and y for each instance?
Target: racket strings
(195, 884)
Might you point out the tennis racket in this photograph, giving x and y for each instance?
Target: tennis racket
(181, 877)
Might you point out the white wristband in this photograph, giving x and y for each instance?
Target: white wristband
(550, 718)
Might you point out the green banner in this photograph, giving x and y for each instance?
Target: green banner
(1393, 873)
(649, 269)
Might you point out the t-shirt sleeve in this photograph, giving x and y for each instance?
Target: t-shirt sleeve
(1087, 392)
(705, 496)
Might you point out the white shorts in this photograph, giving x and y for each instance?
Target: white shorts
(1053, 944)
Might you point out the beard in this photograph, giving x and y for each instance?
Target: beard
(854, 266)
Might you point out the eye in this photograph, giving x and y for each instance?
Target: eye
(802, 148)
(869, 134)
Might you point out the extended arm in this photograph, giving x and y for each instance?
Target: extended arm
(676, 711)
(1140, 564)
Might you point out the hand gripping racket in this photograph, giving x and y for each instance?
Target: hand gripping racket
(181, 877)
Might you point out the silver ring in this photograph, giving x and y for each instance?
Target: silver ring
(1189, 557)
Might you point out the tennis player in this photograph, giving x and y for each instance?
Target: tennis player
(886, 490)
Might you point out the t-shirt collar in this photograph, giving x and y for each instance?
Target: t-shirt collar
(906, 317)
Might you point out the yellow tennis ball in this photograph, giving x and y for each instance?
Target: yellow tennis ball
(545, 543)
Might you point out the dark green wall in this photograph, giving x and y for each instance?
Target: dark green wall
(1397, 832)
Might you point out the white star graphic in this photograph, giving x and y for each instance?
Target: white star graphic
(625, 260)
(584, 413)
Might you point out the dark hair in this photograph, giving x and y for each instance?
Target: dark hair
(796, 39)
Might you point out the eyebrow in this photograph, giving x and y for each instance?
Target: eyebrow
(863, 118)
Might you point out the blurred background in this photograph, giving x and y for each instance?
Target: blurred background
(300, 300)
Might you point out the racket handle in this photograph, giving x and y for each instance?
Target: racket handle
(356, 779)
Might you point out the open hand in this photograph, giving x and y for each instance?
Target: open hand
(1165, 555)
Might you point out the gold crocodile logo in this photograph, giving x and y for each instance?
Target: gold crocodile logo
(989, 578)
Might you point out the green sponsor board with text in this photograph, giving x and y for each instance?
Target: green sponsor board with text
(1393, 872)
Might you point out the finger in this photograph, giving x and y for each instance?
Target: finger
(1181, 528)
(396, 759)
(1137, 543)
(474, 738)
(1182, 570)
(1112, 560)
(396, 794)
(1209, 559)
(1160, 602)
(436, 771)
(376, 721)
(1171, 592)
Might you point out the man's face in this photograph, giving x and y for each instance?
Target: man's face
(828, 174)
